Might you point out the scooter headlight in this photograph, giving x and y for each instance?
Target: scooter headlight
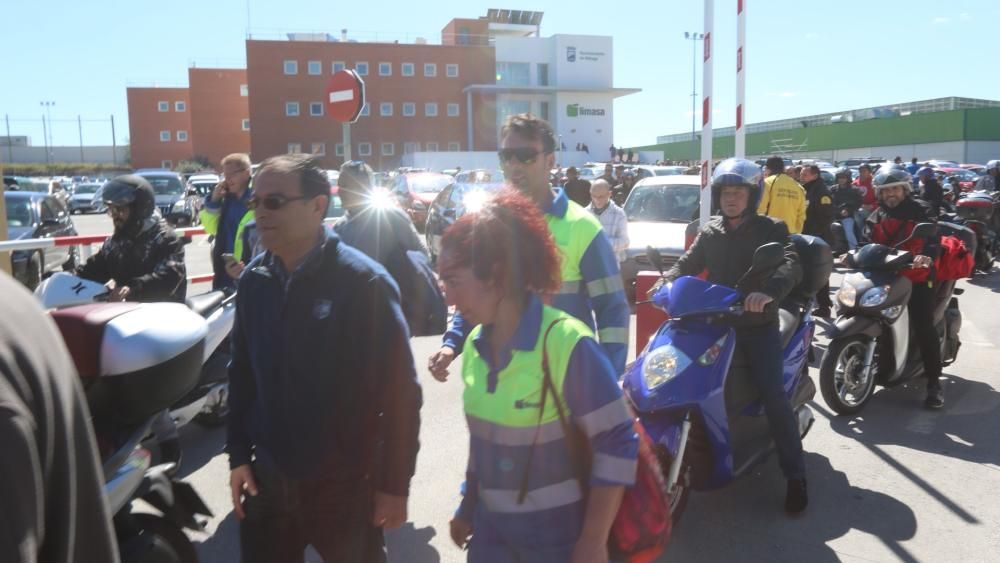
(847, 295)
(893, 312)
(662, 365)
(875, 296)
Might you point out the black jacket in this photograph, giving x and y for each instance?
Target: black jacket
(728, 253)
(151, 264)
(933, 194)
(847, 197)
(322, 381)
(820, 211)
(579, 191)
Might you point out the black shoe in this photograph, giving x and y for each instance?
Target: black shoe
(935, 397)
(796, 497)
(170, 452)
(822, 312)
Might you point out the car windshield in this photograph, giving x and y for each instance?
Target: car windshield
(166, 185)
(664, 203)
(18, 212)
(669, 171)
(430, 184)
(86, 188)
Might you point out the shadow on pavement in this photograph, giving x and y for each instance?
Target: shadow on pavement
(746, 521)
(200, 445)
(990, 281)
(411, 545)
(224, 545)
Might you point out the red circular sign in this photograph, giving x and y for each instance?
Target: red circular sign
(345, 96)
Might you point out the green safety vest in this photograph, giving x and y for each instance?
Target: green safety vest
(210, 222)
(573, 234)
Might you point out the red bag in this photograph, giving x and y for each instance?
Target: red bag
(955, 261)
(642, 527)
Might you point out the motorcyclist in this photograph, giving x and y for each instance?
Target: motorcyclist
(864, 183)
(145, 261)
(890, 224)
(848, 200)
(725, 247)
(931, 190)
(991, 180)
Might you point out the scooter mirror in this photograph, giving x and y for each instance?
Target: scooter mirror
(655, 258)
(920, 230)
(768, 257)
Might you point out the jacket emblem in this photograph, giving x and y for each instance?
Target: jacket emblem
(322, 308)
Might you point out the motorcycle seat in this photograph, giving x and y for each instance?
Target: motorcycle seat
(82, 329)
(205, 303)
(788, 322)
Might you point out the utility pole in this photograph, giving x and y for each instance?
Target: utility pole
(114, 144)
(694, 37)
(48, 113)
(79, 125)
(45, 138)
(10, 142)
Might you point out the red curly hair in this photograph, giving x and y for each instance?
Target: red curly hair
(508, 242)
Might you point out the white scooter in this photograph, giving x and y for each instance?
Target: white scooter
(207, 403)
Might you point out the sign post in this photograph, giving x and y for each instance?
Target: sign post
(345, 98)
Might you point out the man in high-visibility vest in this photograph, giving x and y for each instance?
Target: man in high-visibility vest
(783, 197)
(224, 215)
(592, 289)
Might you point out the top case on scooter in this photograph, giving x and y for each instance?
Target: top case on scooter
(134, 359)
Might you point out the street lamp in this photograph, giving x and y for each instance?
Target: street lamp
(48, 114)
(694, 37)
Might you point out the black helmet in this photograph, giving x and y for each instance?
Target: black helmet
(737, 172)
(845, 172)
(135, 192)
(892, 176)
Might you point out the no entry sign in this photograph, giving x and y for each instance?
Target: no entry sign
(345, 96)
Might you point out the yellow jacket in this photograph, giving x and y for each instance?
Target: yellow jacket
(784, 199)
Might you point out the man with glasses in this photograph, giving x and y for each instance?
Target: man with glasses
(225, 215)
(592, 287)
(324, 400)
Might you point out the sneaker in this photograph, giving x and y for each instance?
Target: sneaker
(935, 397)
(170, 452)
(796, 497)
(822, 313)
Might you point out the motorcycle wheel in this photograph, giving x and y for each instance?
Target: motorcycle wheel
(845, 389)
(679, 498)
(170, 534)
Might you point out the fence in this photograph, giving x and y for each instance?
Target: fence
(49, 140)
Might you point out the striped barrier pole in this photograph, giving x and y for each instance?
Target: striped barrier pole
(741, 40)
(706, 116)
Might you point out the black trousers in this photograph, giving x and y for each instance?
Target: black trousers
(921, 309)
(287, 515)
(823, 297)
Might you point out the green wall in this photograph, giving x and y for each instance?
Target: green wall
(982, 124)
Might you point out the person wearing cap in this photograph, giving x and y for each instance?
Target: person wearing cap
(576, 188)
(991, 180)
(225, 216)
(931, 189)
(783, 197)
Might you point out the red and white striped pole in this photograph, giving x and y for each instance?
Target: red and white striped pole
(706, 116)
(741, 42)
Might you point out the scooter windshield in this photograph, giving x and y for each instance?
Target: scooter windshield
(693, 296)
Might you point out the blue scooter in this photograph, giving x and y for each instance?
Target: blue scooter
(694, 396)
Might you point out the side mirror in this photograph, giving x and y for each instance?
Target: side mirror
(50, 222)
(768, 257)
(920, 230)
(655, 258)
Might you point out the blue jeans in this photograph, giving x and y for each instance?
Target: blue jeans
(852, 239)
(762, 348)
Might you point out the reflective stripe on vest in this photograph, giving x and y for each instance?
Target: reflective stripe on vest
(573, 233)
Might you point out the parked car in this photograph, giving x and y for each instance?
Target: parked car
(415, 191)
(453, 201)
(479, 176)
(167, 186)
(82, 200)
(966, 178)
(38, 215)
(336, 208)
(941, 164)
(644, 171)
(979, 169)
(658, 211)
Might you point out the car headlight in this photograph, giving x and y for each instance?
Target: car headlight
(662, 365)
(847, 295)
(875, 296)
(179, 206)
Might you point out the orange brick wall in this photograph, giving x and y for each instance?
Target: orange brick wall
(217, 112)
(145, 122)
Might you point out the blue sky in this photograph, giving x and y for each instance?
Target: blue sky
(802, 57)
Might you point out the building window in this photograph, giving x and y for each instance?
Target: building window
(513, 74)
(167, 164)
(180, 106)
(294, 148)
(182, 136)
(292, 109)
(543, 110)
(430, 69)
(316, 109)
(385, 69)
(364, 149)
(315, 68)
(454, 147)
(385, 109)
(362, 68)
(291, 67)
(163, 106)
(543, 74)
(431, 109)
(411, 147)
(408, 69)
(319, 149)
(337, 66)
(246, 124)
(365, 112)
(463, 36)
(409, 109)
(453, 110)
(432, 147)
(165, 136)
(244, 90)
(388, 149)
(451, 71)
(338, 149)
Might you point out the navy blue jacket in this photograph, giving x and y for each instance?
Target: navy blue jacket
(322, 379)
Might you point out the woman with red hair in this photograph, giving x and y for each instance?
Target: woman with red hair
(532, 374)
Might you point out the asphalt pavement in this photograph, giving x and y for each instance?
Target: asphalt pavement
(894, 483)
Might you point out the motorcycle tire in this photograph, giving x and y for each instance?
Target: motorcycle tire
(169, 534)
(828, 375)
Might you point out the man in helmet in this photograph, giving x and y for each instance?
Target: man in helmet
(931, 190)
(991, 180)
(725, 247)
(891, 224)
(145, 261)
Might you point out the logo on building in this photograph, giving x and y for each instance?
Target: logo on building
(571, 54)
(576, 110)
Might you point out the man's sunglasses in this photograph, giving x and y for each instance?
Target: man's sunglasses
(273, 202)
(524, 155)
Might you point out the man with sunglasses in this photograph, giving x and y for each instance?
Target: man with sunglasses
(592, 287)
(225, 215)
(324, 400)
